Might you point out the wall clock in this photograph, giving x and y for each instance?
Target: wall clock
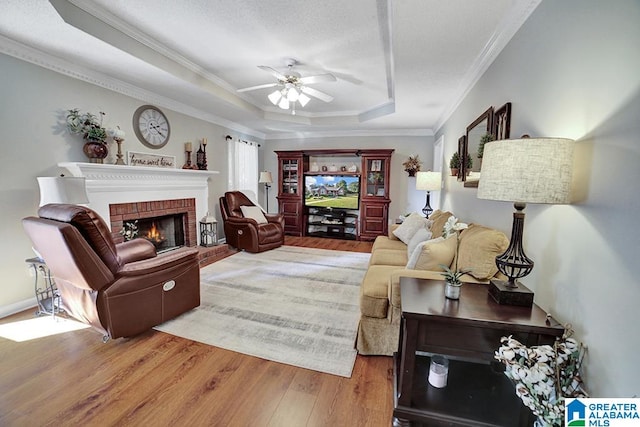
(151, 126)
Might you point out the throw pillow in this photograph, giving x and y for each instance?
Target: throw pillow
(430, 254)
(422, 235)
(439, 219)
(410, 226)
(255, 213)
(479, 247)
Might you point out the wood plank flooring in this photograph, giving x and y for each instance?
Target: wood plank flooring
(73, 379)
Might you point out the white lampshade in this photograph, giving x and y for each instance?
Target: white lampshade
(528, 170)
(284, 103)
(274, 97)
(428, 181)
(265, 178)
(292, 95)
(303, 99)
(62, 189)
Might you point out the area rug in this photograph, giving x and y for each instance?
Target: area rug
(293, 305)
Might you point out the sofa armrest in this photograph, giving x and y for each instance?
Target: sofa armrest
(161, 262)
(275, 218)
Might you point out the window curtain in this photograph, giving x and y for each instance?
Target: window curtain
(243, 166)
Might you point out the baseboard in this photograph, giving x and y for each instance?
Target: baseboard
(17, 307)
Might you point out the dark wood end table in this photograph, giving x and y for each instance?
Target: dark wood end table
(468, 332)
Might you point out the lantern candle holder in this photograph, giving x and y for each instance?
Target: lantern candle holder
(208, 231)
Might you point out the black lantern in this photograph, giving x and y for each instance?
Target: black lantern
(208, 231)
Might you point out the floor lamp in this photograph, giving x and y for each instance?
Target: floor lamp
(428, 181)
(528, 170)
(266, 179)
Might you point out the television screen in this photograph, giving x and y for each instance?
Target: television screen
(332, 191)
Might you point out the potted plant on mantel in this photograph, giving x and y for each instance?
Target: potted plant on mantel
(90, 127)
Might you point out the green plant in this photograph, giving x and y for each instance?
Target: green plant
(487, 137)
(469, 163)
(452, 226)
(454, 163)
(86, 124)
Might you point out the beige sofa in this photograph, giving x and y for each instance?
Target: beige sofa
(380, 305)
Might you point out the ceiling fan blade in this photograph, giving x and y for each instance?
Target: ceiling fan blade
(266, 85)
(316, 94)
(318, 78)
(277, 74)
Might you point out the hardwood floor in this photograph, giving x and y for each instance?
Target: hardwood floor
(74, 379)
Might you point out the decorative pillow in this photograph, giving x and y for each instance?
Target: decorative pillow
(422, 235)
(430, 254)
(439, 219)
(254, 212)
(410, 226)
(479, 247)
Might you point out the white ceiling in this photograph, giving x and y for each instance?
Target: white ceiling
(402, 65)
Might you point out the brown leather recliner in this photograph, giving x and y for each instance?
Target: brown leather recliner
(120, 289)
(245, 233)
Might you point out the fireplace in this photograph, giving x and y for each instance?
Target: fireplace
(168, 224)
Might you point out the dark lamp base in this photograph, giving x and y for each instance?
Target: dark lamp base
(503, 294)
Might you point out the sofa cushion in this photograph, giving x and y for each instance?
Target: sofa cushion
(389, 257)
(432, 253)
(439, 219)
(479, 247)
(422, 235)
(384, 242)
(374, 290)
(410, 226)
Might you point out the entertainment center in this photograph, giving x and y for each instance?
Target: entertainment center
(335, 193)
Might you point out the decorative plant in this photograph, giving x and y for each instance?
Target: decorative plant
(86, 124)
(129, 230)
(487, 137)
(454, 163)
(412, 165)
(452, 226)
(469, 163)
(545, 375)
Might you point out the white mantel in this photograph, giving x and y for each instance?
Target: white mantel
(107, 184)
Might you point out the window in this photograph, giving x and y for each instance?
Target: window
(243, 166)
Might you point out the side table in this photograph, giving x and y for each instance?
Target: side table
(47, 296)
(467, 331)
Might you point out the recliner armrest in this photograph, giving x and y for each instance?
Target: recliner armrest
(161, 262)
(275, 218)
(135, 250)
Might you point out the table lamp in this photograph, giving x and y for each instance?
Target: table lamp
(428, 181)
(528, 170)
(266, 179)
(62, 189)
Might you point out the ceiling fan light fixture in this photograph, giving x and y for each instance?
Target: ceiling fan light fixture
(284, 103)
(293, 95)
(274, 97)
(303, 99)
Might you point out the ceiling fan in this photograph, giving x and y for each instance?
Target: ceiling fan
(292, 88)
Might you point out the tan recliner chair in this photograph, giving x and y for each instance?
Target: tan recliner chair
(246, 233)
(120, 289)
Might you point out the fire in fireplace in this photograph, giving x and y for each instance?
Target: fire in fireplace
(165, 232)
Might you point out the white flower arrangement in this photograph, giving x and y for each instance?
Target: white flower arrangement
(544, 375)
(452, 226)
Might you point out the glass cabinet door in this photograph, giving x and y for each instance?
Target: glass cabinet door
(290, 170)
(376, 177)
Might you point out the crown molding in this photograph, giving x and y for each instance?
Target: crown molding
(507, 28)
(45, 60)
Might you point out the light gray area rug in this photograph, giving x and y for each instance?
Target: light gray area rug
(293, 305)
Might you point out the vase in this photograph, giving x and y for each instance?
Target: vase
(411, 172)
(454, 171)
(96, 151)
(452, 291)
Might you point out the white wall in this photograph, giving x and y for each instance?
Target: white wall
(34, 140)
(573, 70)
(404, 197)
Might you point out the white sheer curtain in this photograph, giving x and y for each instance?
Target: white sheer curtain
(243, 166)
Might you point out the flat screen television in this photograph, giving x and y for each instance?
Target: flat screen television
(332, 191)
